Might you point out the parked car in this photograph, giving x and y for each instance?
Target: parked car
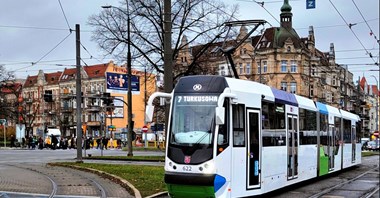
(373, 145)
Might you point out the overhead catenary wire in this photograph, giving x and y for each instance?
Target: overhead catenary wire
(350, 27)
(366, 22)
(64, 15)
(34, 63)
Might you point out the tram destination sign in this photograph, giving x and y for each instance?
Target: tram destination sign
(197, 99)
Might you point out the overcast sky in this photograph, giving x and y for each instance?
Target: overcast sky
(30, 29)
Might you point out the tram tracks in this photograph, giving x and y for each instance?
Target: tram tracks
(62, 182)
(366, 194)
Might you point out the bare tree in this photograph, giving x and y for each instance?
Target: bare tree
(7, 90)
(202, 21)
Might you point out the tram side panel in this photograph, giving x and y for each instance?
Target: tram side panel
(274, 168)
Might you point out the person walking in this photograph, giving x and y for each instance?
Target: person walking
(40, 143)
(13, 139)
(105, 142)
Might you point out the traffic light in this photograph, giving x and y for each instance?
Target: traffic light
(106, 99)
(48, 96)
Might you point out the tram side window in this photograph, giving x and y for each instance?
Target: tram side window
(338, 131)
(346, 131)
(323, 128)
(273, 124)
(238, 124)
(223, 138)
(308, 126)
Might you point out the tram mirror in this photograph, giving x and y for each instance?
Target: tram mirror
(219, 115)
(149, 113)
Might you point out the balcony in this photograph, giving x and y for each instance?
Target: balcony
(93, 123)
(67, 109)
(93, 108)
(67, 96)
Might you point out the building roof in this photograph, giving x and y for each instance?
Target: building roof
(52, 78)
(68, 75)
(30, 81)
(96, 71)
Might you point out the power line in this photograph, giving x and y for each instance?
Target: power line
(91, 56)
(33, 63)
(349, 26)
(64, 15)
(371, 32)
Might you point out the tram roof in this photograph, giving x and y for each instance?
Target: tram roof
(322, 108)
(284, 97)
(348, 115)
(251, 87)
(333, 111)
(306, 103)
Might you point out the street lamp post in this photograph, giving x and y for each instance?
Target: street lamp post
(129, 70)
(377, 104)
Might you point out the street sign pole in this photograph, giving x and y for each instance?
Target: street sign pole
(145, 130)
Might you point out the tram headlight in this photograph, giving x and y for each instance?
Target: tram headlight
(208, 167)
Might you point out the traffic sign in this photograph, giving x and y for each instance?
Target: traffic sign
(310, 4)
(144, 129)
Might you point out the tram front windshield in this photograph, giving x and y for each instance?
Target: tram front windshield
(193, 120)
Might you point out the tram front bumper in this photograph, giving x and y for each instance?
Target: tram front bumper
(193, 185)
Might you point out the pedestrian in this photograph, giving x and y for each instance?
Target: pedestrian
(111, 142)
(105, 142)
(23, 142)
(13, 139)
(98, 142)
(72, 145)
(30, 142)
(54, 142)
(40, 143)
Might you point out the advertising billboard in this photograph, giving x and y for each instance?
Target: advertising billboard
(118, 111)
(118, 83)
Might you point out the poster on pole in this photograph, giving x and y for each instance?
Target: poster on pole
(118, 83)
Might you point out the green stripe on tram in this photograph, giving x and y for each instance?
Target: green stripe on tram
(323, 162)
(188, 191)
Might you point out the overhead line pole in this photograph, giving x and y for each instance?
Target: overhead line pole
(168, 55)
(78, 95)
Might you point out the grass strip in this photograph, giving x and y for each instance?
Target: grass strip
(369, 153)
(129, 158)
(148, 180)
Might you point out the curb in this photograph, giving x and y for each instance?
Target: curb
(121, 181)
(157, 194)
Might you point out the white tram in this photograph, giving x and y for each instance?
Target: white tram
(235, 138)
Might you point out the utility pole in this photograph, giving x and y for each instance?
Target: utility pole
(129, 99)
(78, 95)
(168, 55)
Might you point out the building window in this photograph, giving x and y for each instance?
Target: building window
(293, 87)
(283, 65)
(311, 90)
(240, 68)
(248, 68)
(293, 66)
(223, 70)
(284, 85)
(288, 49)
(258, 67)
(265, 66)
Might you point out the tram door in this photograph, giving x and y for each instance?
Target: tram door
(254, 145)
(331, 146)
(353, 142)
(292, 147)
